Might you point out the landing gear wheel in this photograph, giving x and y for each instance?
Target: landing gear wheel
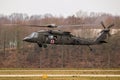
(45, 46)
(40, 45)
(90, 48)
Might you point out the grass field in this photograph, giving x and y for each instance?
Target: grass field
(46, 72)
(63, 78)
(59, 72)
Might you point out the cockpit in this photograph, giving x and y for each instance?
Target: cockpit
(31, 38)
(33, 35)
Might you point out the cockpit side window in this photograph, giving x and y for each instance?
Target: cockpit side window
(50, 36)
(33, 35)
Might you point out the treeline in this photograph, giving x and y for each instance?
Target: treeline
(18, 54)
(78, 18)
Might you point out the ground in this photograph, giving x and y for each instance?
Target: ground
(59, 74)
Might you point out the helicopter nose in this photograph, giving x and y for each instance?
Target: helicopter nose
(26, 39)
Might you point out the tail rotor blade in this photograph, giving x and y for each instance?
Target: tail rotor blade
(103, 25)
(109, 35)
(110, 26)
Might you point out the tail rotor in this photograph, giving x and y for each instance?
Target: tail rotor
(107, 29)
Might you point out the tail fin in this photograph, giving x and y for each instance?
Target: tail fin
(103, 34)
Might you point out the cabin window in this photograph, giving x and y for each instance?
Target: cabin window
(50, 36)
(33, 35)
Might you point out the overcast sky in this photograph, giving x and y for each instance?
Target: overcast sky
(59, 7)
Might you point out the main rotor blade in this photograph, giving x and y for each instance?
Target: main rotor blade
(35, 25)
(31, 25)
(60, 26)
(48, 26)
(9, 24)
(78, 26)
(109, 35)
(53, 25)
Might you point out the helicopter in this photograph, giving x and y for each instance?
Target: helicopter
(59, 37)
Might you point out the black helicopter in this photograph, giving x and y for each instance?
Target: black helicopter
(58, 37)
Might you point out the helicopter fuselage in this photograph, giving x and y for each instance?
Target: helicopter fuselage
(56, 37)
(44, 37)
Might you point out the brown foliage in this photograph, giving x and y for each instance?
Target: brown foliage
(16, 53)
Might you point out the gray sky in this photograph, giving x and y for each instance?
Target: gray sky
(59, 7)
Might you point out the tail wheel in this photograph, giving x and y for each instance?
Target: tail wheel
(40, 45)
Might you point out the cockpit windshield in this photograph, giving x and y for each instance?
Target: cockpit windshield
(33, 35)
